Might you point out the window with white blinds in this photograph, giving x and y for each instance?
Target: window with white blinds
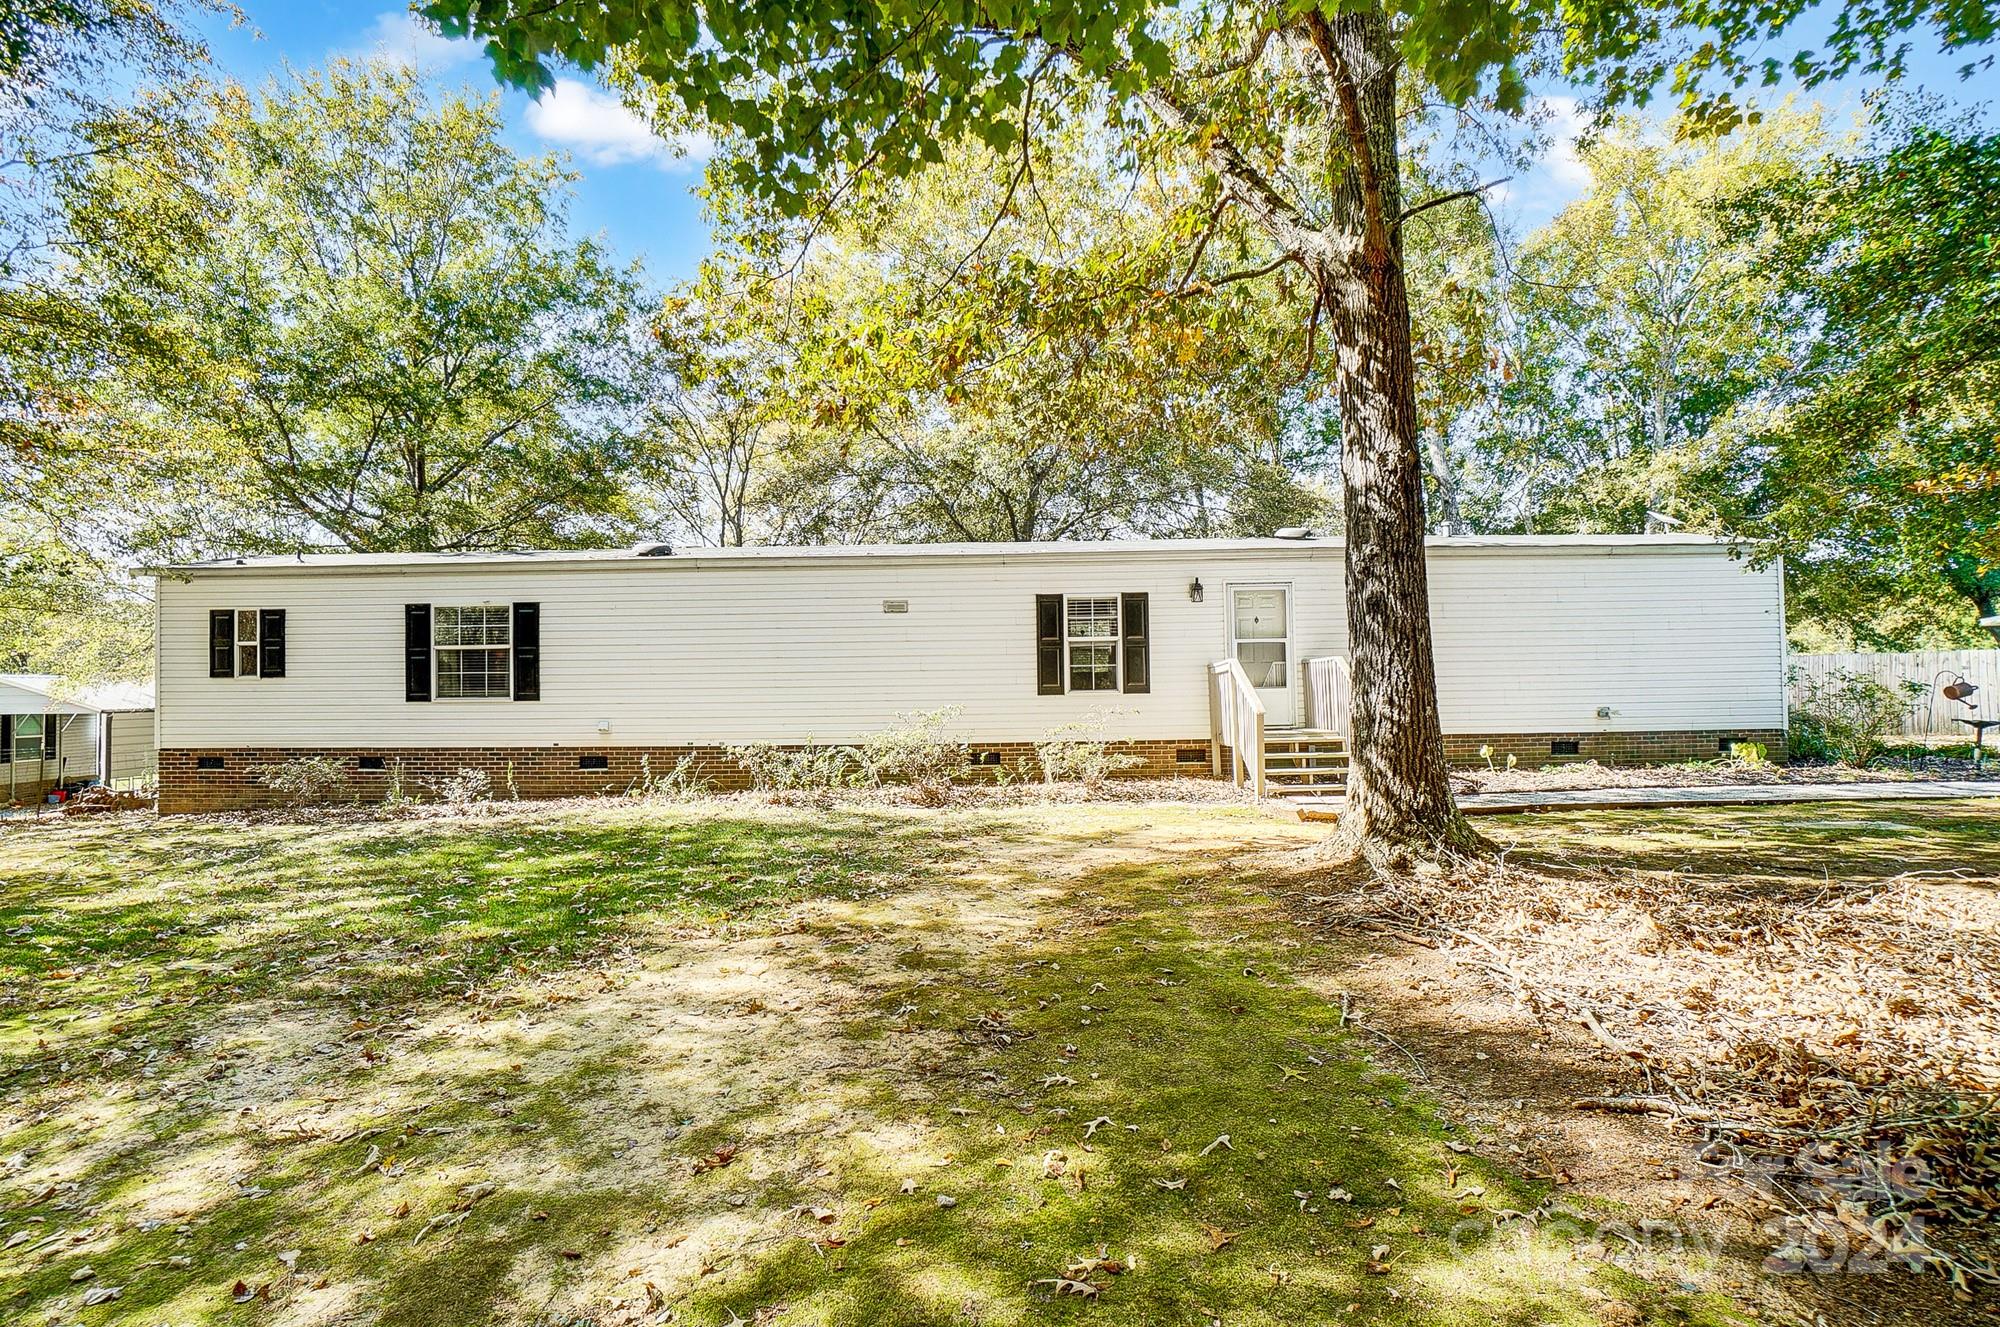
(1092, 632)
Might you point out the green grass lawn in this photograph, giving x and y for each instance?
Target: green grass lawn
(727, 1062)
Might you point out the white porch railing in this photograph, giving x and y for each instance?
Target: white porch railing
(1236, 724)
(1328, 692)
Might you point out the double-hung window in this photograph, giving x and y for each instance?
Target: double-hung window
(1093, 642)
(1091, 631)
(246, 642)
(474, 648)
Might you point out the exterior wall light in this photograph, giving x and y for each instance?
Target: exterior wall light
(1194, 590)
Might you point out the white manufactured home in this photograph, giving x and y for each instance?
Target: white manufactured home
(54, 734)
(559, 671)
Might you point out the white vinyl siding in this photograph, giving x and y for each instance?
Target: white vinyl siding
(78, 745)
(670, 651)
(131, 746)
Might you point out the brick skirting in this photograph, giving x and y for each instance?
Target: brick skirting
(26, 791)
(1535, 750)
(539, 772)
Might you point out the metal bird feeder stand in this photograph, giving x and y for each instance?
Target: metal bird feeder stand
(1963, 691)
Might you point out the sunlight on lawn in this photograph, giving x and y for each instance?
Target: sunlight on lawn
(696, 1064)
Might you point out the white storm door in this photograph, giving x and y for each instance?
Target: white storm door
(1260, 627)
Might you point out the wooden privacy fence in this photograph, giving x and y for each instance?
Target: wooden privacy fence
(1931, 714)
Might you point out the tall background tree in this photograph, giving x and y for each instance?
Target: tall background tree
(1290, 114)
(64, 67)
(1880, 474)
(362, 323)
(968, 366)
(1631, 330)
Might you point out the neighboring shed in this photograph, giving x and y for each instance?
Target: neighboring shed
(53, 733)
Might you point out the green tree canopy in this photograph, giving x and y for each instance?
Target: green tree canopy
(1290, 115)
(1638, 322)
(976, 354)
(353, 318)
(65, 66)
(1883, 471)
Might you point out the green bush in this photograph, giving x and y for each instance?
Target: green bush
(915, 753)
(1847, 716)
(304, 781)
(1078, 753)
(805, 769)
(682, 783)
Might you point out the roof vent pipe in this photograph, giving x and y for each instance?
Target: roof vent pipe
(652, 550)
(1293, 532)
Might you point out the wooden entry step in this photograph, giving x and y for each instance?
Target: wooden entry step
(1304, 762)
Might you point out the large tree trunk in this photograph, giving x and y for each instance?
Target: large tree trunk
(1398, 794)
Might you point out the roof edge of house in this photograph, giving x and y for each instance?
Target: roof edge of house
(552, 559)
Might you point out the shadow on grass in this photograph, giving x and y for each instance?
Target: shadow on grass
(1071, 1023)
(369, 914)
(1798, 845)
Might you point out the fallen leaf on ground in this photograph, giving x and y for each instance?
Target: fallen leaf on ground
(1085, 1268)
(717, 1159)
(1218, 1238)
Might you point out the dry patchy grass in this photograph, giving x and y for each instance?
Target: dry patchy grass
(624, 1063)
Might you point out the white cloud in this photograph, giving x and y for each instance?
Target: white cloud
(605, 131)
(404, 38)
(1564, 121)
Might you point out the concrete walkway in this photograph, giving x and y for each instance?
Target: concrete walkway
(1613, 799)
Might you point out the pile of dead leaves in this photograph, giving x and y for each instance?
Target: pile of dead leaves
(1836, 1046)
(1587, 775)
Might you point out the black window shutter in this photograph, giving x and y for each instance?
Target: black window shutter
(50, 735)
(416, 651)
(1048, 644)
(1136, 618)
(222, 642)
(271, 642)
(6, 738)
(527, 651)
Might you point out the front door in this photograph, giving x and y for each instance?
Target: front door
(1260, 625)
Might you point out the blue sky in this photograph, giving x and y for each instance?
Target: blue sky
(636, 191)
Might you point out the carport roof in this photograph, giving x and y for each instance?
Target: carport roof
(47, 693)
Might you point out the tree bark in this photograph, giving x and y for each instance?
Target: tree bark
(1450, 516)
(1398, 793)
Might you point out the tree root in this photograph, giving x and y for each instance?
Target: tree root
(1416, 848)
